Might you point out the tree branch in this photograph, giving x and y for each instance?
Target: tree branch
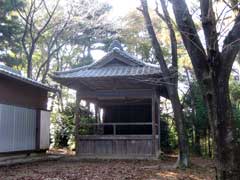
(209, 27)
(190, 37)
(172, 35)
(156, 46)
(231, 45)
(47, 22)
(158, 13)
(53, 41)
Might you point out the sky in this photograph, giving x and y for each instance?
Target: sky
(120, 8)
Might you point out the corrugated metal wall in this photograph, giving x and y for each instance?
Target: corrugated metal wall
(17, 128)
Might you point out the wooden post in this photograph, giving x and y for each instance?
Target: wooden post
(77, 121)
(158, 121)
(114, 129)
(96, 118)
(154, 142)
(96, 112)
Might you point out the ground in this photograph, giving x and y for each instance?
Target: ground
(72, 169)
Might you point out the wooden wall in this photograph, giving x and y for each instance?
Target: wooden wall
(14, 92)
(139, 146)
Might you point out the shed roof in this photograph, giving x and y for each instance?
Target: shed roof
(9, 72)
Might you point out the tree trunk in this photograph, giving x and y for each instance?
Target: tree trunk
(29, 60)
(205, 143)
(183, 158)
(197, 145)
(209, 143)
(44, 77)
(212, 70)
(29, 67)
(171, 83)
(196, 140)
(227, 149)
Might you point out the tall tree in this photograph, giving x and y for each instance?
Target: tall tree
(196, 113)
(52, 42)
(212, 66)
(92, 30)
(134, 35)
(170, 76)
(10, 31)
(34, 28)
(87, 30)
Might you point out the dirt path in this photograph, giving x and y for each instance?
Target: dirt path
(66, 169)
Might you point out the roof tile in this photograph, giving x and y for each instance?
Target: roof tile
(100, 68)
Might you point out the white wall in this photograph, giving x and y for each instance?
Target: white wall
(44, 129)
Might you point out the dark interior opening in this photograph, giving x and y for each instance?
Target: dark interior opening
(128, 114)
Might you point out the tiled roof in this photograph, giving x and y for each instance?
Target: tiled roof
(7, 71)
(130, 66)
(117, 71)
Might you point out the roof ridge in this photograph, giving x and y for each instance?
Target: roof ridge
(121, 53)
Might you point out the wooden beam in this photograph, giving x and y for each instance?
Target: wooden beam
(77, 121)
(125, 102)
(117, 94)
(154, 141)
(116, 124)
(112, 137)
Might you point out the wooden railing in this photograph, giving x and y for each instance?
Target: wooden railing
(114, 125)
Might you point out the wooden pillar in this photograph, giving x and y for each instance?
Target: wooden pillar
(158, 121)
(97, 115)
(88, 105)
(77, 121)
(97, 119)
(154, 141)
(103, 119)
